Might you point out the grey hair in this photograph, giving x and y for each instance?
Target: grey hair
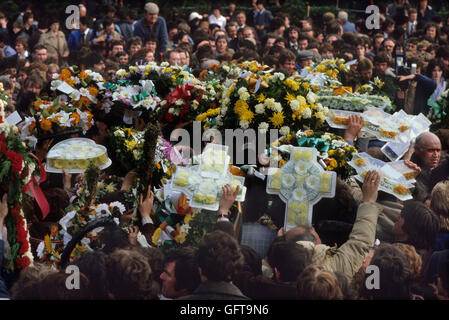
(343, 15)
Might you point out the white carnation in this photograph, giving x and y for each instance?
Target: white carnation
(244, 96)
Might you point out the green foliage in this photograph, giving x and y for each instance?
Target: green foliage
(200, 224)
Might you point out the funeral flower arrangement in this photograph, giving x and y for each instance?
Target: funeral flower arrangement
(128, 144)
(16, 173)
(263, 101)
(333, 150)
(54, 115)
(439, 113)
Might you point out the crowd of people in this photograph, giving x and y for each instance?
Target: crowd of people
(260, 260)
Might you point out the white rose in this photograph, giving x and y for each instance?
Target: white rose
(294, 105)
(179, 102)
(284, 130)
(260, 108)
(171, 110)
(279, 75)
(195, 104)
(306, 113)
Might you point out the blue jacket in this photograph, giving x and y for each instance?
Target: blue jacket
(74, 39)
(159, 29)
(262, 18)
(3, 290)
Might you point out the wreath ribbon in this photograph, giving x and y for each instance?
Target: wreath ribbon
(318, 143)
(36, 191)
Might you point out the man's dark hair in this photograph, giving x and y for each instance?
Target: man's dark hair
(151, 37)
(39, 47)
(421, 224)
(253, 262)
(276, 23)
(286, 55)
(107, 21)
(333, 27)
(93, 264)
(394, 277)
(186, 268)
(205, 52)
(219, 256)
(382, 57)
(289, 258)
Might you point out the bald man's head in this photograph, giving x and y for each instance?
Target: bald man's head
(428, 149)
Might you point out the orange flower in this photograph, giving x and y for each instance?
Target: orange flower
(65, 74)
(76, 118)
(45, 125)
(37, 104)
(32, 126)
(82, 74)
(56, 119)
(54, 231)
(84, 101)
(93, 91)
(89, 115)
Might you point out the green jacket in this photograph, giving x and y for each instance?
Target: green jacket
(349, 257)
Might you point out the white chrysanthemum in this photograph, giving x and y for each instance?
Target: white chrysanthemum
(277, 107)
(269, 103)
(171, 110)
(279, 75)
(284, 130)
(245, 96)
(263, 127)
(195, 104)
(179, 102)
(294, 104)
(306, 113)
(260, 108)
(244, 124)
(242, 90)
(311, 97)
(119, 133)
(226, 68)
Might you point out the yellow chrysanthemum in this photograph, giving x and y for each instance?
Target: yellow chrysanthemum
(187, 218)
(130, 144)
(240, 106)
(281, 163)
(261, 98)
(333, 163)
(277, 119)
(289, 97)
(247, 115)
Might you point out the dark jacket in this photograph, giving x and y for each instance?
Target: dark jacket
(3, 290)
(216, 290)
(159, 29)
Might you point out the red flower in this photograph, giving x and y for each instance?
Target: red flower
(2, 145)
(23, 262)
(169, 117)
(24, 247)
(16, 160)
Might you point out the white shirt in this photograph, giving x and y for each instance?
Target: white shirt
(221, 21)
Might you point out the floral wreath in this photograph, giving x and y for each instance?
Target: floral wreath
(16, 170)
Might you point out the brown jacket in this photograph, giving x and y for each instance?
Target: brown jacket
(349, 257)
